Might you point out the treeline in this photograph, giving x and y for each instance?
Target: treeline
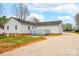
(3, 19)
(68, 27)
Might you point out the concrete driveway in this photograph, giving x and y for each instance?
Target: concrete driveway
(66, 44)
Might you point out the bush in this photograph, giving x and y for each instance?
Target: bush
(76, 30)
(1, 36)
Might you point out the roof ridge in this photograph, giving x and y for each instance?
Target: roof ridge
(39, 23)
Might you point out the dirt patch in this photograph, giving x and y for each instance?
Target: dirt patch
(6, 43)
(6, 46)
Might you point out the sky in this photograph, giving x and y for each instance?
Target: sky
(49, 11)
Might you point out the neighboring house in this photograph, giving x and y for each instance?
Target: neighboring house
(1, 29)
(17, 27)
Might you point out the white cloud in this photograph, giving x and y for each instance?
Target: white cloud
(67, 8)
(67, 19)
(39, 7)
(64, 17)
(38, 16)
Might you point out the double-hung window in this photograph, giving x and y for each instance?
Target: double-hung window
(15, 27)
(28, 27)
(7, 27)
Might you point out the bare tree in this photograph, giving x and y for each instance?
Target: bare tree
(33, 19)
(20, 10)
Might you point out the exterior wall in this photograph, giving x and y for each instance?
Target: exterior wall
(32, 29)
(11, 23)
(1, 31)
(60, 27)
(22, 29)
(26, 30)
(52, 29)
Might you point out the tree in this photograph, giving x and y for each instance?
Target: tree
(3, 19)
(20, 10)
(67, 27)
(33, 19)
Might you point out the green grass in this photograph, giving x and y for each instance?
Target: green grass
(10, 43)
(54, 34)
(18, 40)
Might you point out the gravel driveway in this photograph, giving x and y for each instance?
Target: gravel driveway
(66, 44)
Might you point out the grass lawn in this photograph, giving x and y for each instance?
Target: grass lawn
(10, 43)
(54, 34)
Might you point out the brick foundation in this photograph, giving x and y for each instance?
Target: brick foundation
(15, 34)
(24, 34)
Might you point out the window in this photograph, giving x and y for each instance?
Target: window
(28, 27)
(3, 27)
(32, 27)
(15, 27)
(7, 27)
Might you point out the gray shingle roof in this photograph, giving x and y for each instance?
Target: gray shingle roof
(48, 23)
(36, 24)
(39, 23)
(23, 21)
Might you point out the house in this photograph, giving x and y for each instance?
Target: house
(17, 27)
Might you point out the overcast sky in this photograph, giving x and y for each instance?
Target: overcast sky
(50, 11)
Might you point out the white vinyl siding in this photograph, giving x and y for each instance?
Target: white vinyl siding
(9, 27)
(24, 29)
(51, 29)
(27, 28)
(1, 31)
(60, 28)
